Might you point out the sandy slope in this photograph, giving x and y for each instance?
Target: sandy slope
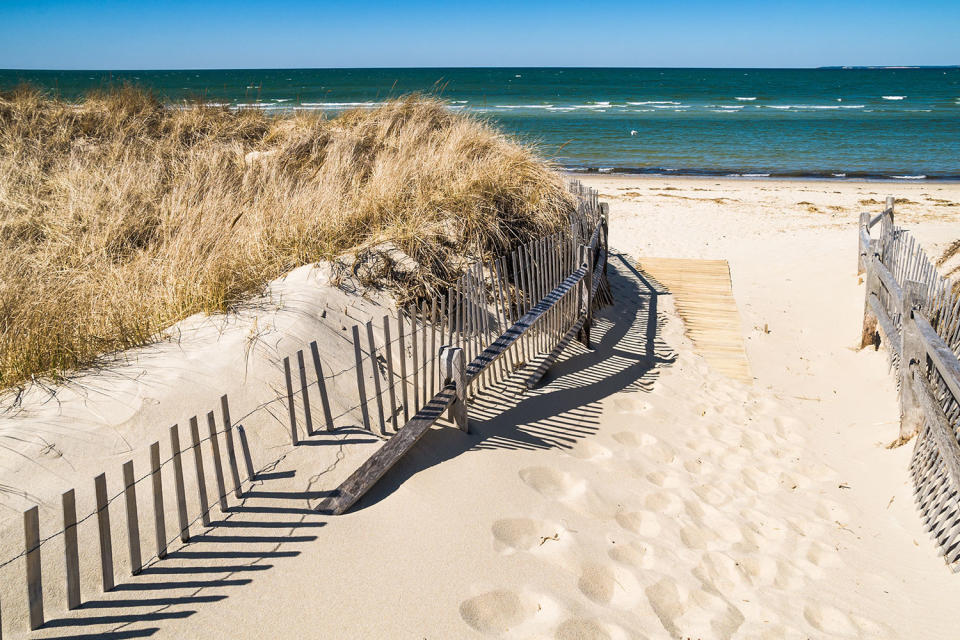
(636, 495)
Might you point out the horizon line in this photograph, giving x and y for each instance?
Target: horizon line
(891, 67)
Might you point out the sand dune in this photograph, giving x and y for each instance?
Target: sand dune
(636, 494)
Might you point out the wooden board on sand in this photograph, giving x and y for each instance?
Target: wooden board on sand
(703, 296)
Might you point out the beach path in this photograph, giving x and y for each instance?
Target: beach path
(703, 296)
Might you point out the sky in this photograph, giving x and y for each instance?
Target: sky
(217, 34)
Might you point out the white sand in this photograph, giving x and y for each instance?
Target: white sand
(638, 494)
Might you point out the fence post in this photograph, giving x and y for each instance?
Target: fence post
(198, 464)
(71, 551)
(133, 520)
(292, 408)
(453, 368)
(245, 446)
(861, 249)
(31, 535)
(586, 260)
(178, 484)
(912, 353)
(231, 451)
(159, 517)
(103, 526)
(869, 335)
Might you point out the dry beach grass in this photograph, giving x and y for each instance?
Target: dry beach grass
(120, 215)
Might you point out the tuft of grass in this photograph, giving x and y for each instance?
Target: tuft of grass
(120, 215)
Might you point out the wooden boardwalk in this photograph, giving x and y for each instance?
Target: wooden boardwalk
(704, 298)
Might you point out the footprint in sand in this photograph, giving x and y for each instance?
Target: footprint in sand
(496, 611)
(581, 629)
(830, 620)
(830, 511)
(790, 429)
(523, 534)
(663, 502)
(721, 571)
(588, 450)
(642, 523)
(757, 479)
(634, 554)
(665, 480)
(597, 582)
(551, 483)
(714, 494)
(631, 439)
(697, 613)
(698, 466)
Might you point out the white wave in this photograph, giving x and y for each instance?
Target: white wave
(339, 105)
(605, 169)
(920, 177)
(839, 175)
(281, 99)
(636, 104)
(755, 175)
(731, 106)
(605, 103)
(894, 97)
(749, 99)
(814, 106)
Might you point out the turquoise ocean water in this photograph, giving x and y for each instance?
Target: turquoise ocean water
(833, 123)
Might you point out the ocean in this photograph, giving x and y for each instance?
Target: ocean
(889, 123)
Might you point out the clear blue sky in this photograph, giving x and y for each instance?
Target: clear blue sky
(77, 34)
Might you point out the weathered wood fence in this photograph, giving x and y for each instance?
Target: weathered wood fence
(517, 311)
(917, 313)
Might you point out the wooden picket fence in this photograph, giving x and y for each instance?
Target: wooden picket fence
(917, 312)
(518, 311)
(535, 300)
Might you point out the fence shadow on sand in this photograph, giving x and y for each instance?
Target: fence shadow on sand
(627, 355)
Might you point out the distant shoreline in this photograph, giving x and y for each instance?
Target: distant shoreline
(827, 176)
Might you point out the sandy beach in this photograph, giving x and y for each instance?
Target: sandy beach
(636, 494)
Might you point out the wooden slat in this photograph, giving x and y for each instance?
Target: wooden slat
(522, 326)
(361, 386)
(31, 538)
(375, 367)
(379, 463)
(322, 385)
(940, 353)
(178, 484)
(231, 450)
(307, 415)
(217, 463)
(198, 465)
(159, 516)
(103, 528)
(133, 519)
(71, 551)
(704, 299)
(292, 410)
(391, 380)
(403, 365)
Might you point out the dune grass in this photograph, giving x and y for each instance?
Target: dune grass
(120, 215)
